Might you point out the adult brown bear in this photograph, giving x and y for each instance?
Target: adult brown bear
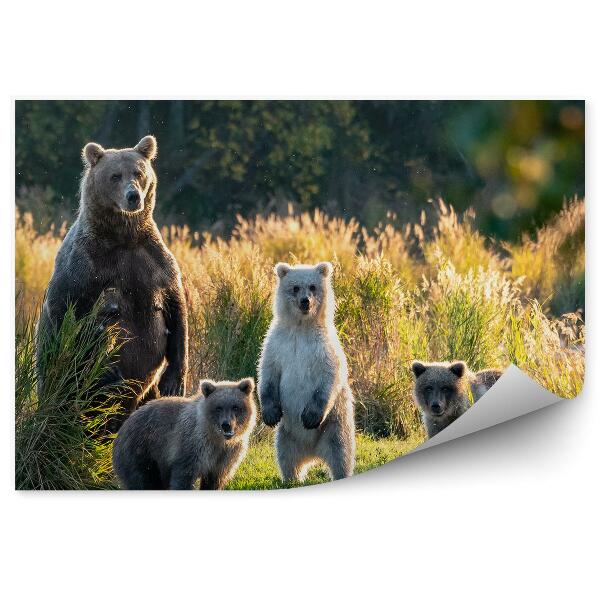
(115, 251)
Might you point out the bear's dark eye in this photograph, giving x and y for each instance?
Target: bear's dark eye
(428, 389)
(296, 289)
(445, 389)
(137, 174)
(116, 177)
(312, 288)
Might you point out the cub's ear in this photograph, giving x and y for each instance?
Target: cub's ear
(246, 385)
(282, 269)
(92, 153)
(207, 388)
(418, 368)
(324, 268)
(458, 368)
(147, 147)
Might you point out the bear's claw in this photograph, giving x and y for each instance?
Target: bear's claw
(311, 417)
(271, 415)
(171, 388)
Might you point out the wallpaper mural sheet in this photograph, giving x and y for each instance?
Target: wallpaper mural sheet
(268, 294)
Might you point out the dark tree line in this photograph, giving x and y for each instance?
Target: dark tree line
(513, 161)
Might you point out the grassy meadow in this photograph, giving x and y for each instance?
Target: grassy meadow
(436, 289)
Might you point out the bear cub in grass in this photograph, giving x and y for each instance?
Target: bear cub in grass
(115, 252)
(172, 442)
(441, 391)
(482, 381)
(303, 376)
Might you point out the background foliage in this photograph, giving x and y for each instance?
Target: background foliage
(514, 162)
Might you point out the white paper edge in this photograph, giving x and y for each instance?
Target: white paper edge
(513, 395)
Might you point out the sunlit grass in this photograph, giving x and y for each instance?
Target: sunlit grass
(552, 264)
(34, 261)
(258, 471)
(433, 290)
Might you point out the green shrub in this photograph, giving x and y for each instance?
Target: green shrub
(60, 436)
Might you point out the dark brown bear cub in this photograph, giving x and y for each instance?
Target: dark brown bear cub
(114, 250)
(441, 391)
(169, 444)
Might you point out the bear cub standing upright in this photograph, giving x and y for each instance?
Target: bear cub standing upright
(303, 376)
(171, 442)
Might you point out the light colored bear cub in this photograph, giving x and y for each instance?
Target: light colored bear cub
(303, 376)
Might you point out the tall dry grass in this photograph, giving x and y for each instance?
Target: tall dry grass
(434, 290)
(552, 263)
(34, 261)
(437, 290)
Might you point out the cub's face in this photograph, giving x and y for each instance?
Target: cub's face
(230, 407)
(303, 290)
(120, 180)
(438, 388)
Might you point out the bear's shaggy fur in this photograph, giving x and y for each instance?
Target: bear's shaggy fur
(115, 250)
(441, 391)
(482, 381)
(170, 443)
(303, 376)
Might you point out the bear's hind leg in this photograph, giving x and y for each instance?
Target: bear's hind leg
(212, 482)
(181, 476)
(338, 452)
(290, 459)
(143, 478)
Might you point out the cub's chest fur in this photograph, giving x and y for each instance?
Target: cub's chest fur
(302, 356)
(301, 350)
(215, 455)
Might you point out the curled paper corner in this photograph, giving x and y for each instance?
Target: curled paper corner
(514, 394)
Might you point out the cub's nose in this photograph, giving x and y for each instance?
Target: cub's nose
(226, 427)
(436, 408)
(133, 198)
(304, 304)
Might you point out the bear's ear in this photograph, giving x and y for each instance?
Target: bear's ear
(92, 153)
(324, 268)
(282, 269)
(246, 385)
(418, 368)
(207, 388)
(458, 368)
(147, 147)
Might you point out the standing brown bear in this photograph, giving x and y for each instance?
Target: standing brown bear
(114, 250)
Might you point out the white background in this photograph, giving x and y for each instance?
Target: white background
(511, 512)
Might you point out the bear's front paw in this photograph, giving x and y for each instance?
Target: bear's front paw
(311, 417)
(171, 387)
(271, 415)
